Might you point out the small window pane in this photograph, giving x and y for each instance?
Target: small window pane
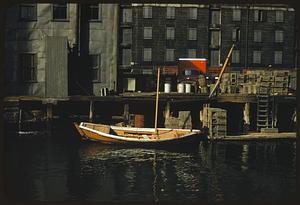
(192, 34)
(278, 57)
(147, 32)
(95, 62)
(257, 36)
(193, 13)
(147, 12)
(28, 66)
(278, 36)
(257, 57)
(60, 11)
(94, 12)
(236, 15)
(259, 15)
(235, 56)
(170, 33)
(215, 58)
(215, 17)
(126, 56)
(127, 15)
(169, 55)
(215, 38)
(170, 12)
(279, 16)
(127, 36)
(147, 54)
(28, 12)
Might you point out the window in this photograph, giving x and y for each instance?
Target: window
(235, 34)
(259, 15)
(127, 36)
(170, 33)
(28, 12)
(257, 36)
(60, 11)
(215, 38)
(28, 67)
(95, 63)
(236, 15)
(215, 17)
(278, 36)
(214, 58)
(147, 12)
(235, 56)
(126, 56)
(192, 53)
(147, 32)
(257, 57)
(94, 12)
(127, 15)
(279, 16)
(147, 54)
(170, 12)
(169, 55)
(193, 13)
(192, 34)
(278, 57)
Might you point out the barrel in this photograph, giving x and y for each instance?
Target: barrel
(187, 88)
(167, 88)
(139, 120)
(180, 88)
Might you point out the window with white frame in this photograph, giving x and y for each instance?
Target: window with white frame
(278, 57)
(127, 15)
(126, 56)
(235, 56)
(193, 13)
(170, 12)
(28, 66)
(257, 57)
(169, 55)
(215, 58)
(147, 54)
(126, 36)
(147, 32)
(259, 15)
(147, 12)
(192, 33)
(279, 16)
(257, 36)
(215, 17)
(28, 12)
(278, 36)
(95, 63)
(215, 38)
(235, 34)
(236, 14)
(60, 12)
(170, 33)
(192, 53)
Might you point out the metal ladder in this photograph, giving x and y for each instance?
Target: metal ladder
(264, 108)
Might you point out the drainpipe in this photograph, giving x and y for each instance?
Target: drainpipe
(247, 30)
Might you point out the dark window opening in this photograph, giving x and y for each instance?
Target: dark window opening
(60, 11)
(28, 12)
(94, 12)
(95, 63)
(28, 67)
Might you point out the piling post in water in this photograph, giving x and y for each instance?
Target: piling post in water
(126, 114)
(20, 119)
(246, 116)
(49, 111)
(91, 113)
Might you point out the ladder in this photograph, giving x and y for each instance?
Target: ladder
(264, 107)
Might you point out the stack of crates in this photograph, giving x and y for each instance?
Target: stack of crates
(265, 83)
(215, 119)
(225, 83)
(281, 81)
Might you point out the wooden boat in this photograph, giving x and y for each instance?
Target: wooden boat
(139, 136)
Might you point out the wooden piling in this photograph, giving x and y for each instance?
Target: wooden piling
(126, 114)
(20, 119)
(49, 111)
(91, 113)
(246, 116)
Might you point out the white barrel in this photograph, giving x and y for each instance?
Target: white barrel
(180, 88)
(188, 88)
(167, 88)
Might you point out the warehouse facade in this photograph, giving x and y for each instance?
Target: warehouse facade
(156, 35)
(57, 50)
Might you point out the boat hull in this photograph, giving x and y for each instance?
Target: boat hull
(191, 138)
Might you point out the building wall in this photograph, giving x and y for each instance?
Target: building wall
(29, 36)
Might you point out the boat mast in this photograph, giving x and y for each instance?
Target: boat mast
(156, 105)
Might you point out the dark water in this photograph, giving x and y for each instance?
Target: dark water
(59, 168)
